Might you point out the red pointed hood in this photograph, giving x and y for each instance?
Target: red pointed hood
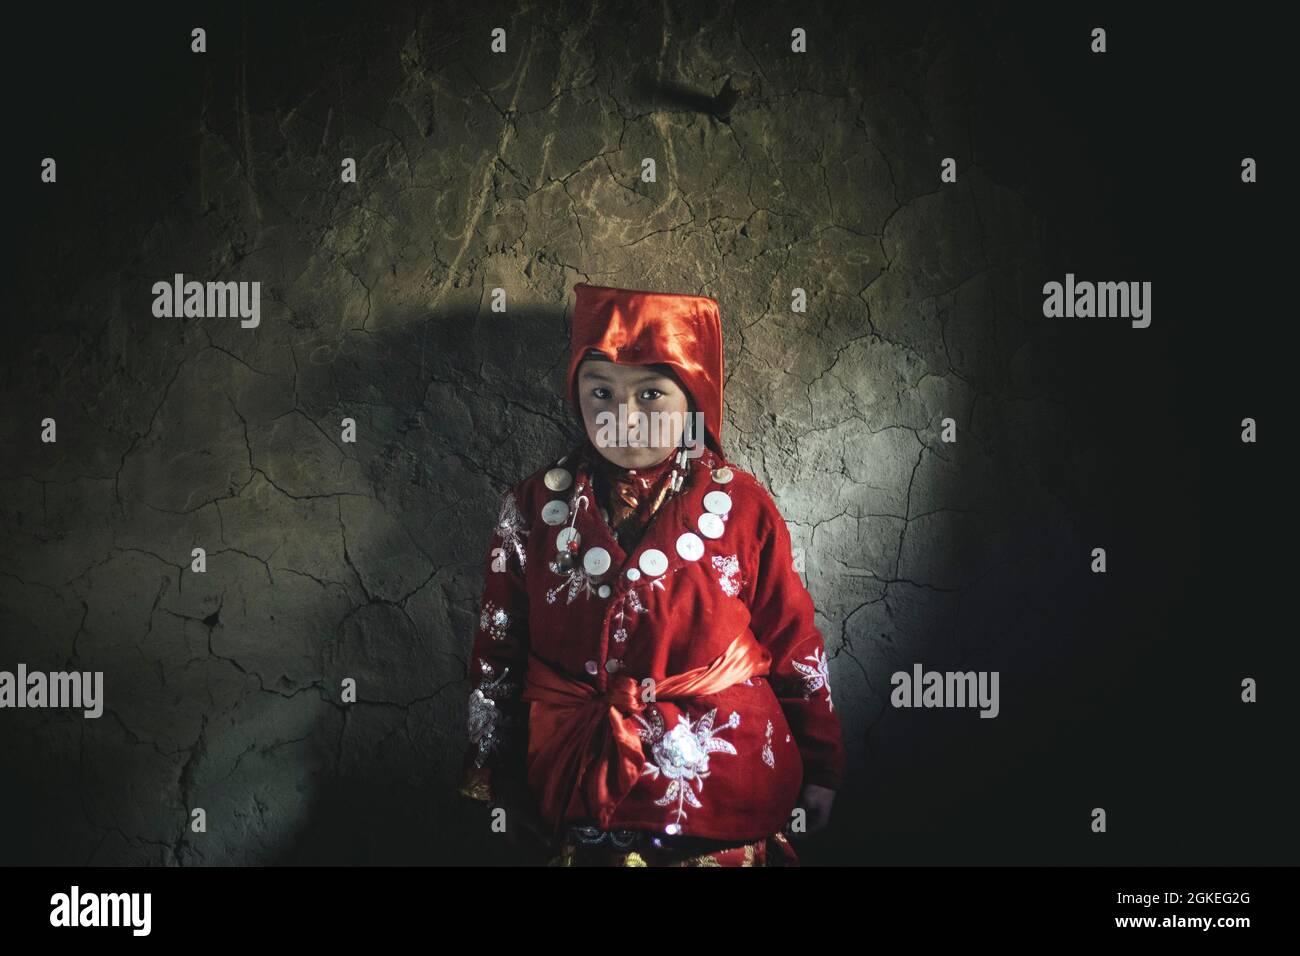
(632, 327)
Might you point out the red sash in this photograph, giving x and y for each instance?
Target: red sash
(584, 753)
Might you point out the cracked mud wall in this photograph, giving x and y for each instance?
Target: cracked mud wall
(520, 171)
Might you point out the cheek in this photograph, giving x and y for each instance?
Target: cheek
(592, 408)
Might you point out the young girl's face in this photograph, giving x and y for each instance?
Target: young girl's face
(648, 426)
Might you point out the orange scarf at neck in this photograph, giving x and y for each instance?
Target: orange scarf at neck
(631, 496)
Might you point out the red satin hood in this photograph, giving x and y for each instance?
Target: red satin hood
(634, 327)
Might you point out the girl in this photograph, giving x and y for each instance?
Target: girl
(649, 687)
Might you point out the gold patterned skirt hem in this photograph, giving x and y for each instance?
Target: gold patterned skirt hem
(773, 850)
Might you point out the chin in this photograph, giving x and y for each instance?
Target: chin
(636, 457)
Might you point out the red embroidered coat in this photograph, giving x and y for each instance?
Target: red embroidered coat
(728, 765)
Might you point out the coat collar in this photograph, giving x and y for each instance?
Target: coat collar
(674, 516)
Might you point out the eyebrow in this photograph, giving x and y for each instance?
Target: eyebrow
(595, 376)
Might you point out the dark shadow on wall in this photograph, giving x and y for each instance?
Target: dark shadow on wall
(492, 412)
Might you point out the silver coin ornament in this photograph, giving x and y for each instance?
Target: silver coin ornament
(555, 512)
(596, 562)
(653, 562)
(690, 547)
(710, 525)
(557, 479)
(717, 502)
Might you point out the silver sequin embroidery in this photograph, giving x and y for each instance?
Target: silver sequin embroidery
(510, 528)
(728, 569)
(494, 621)
(682, 754)
(815, 676)
(488, 726)
(575, 579)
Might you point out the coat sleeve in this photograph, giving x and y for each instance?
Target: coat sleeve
(497, 722)
(782, 619)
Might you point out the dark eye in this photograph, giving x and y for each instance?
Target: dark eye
(650, 394)
(602, 393)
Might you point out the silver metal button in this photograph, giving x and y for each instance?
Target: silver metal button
(717, 502)
(554, 512)
(612, 665)
(690, 547)
(710, 525)
(557, 479)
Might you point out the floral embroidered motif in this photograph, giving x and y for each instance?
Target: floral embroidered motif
(815, 676)
(729, 573)
(632, 602)
(682, 754)
(575, 579)
(769, 758)
(510, 528)
(494, 621)
(487, 724)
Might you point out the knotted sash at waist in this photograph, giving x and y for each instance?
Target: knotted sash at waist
(584, 752)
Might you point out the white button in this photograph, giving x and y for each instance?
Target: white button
(564, 537)
(723, 475)
(710, 526)
(612, 665)
(633, 574)
(690, 547)
(718, 502)
(603, 590)
(554, 512)
(673, 829)
(596, 562)
(557, 479)
(592, 667)
(653, 562)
